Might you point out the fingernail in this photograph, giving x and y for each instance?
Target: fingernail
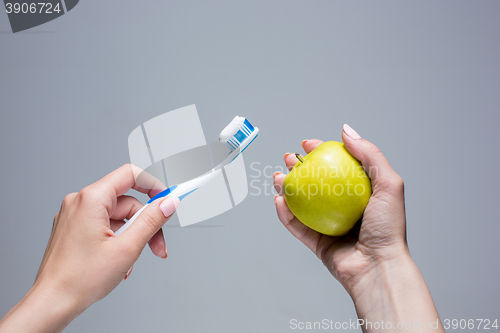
(275, 174)
(128, 273)
(166, 253)
(169, 205)
(350, 132)
(303, 142)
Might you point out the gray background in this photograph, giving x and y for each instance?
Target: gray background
(420, 79)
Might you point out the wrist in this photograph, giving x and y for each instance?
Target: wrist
(385, 272)
(62, 306)
(44, 308)
(394, 291)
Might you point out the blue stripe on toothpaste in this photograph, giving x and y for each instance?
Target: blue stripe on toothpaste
(248, 144)
(240, 136)
(246, 130)
(246, 122)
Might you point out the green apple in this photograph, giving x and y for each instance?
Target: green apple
(328, 189)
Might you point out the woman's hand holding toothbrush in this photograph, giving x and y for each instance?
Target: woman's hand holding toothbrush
(84, 261)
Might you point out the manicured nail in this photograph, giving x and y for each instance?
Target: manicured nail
(350, 132)
(303, 142)
(128, 273)
(169, 205)
(275, 174)
(166, 253)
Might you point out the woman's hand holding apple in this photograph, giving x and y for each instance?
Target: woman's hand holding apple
(372, 261)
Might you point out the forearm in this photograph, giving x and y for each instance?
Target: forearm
(40, 311)
(394, 296)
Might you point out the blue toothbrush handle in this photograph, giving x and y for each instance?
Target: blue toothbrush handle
(180, 191)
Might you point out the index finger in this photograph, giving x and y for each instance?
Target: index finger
(124, 178)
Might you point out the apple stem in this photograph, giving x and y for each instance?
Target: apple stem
(299, 157)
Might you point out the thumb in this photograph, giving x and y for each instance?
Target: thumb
(383, 177)
(150, 221)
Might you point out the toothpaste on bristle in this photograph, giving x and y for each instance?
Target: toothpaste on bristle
(231, 129)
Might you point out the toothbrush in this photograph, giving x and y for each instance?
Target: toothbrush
(237, 136)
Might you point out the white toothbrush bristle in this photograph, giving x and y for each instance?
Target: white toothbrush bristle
(231, 129)
(236, 132)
